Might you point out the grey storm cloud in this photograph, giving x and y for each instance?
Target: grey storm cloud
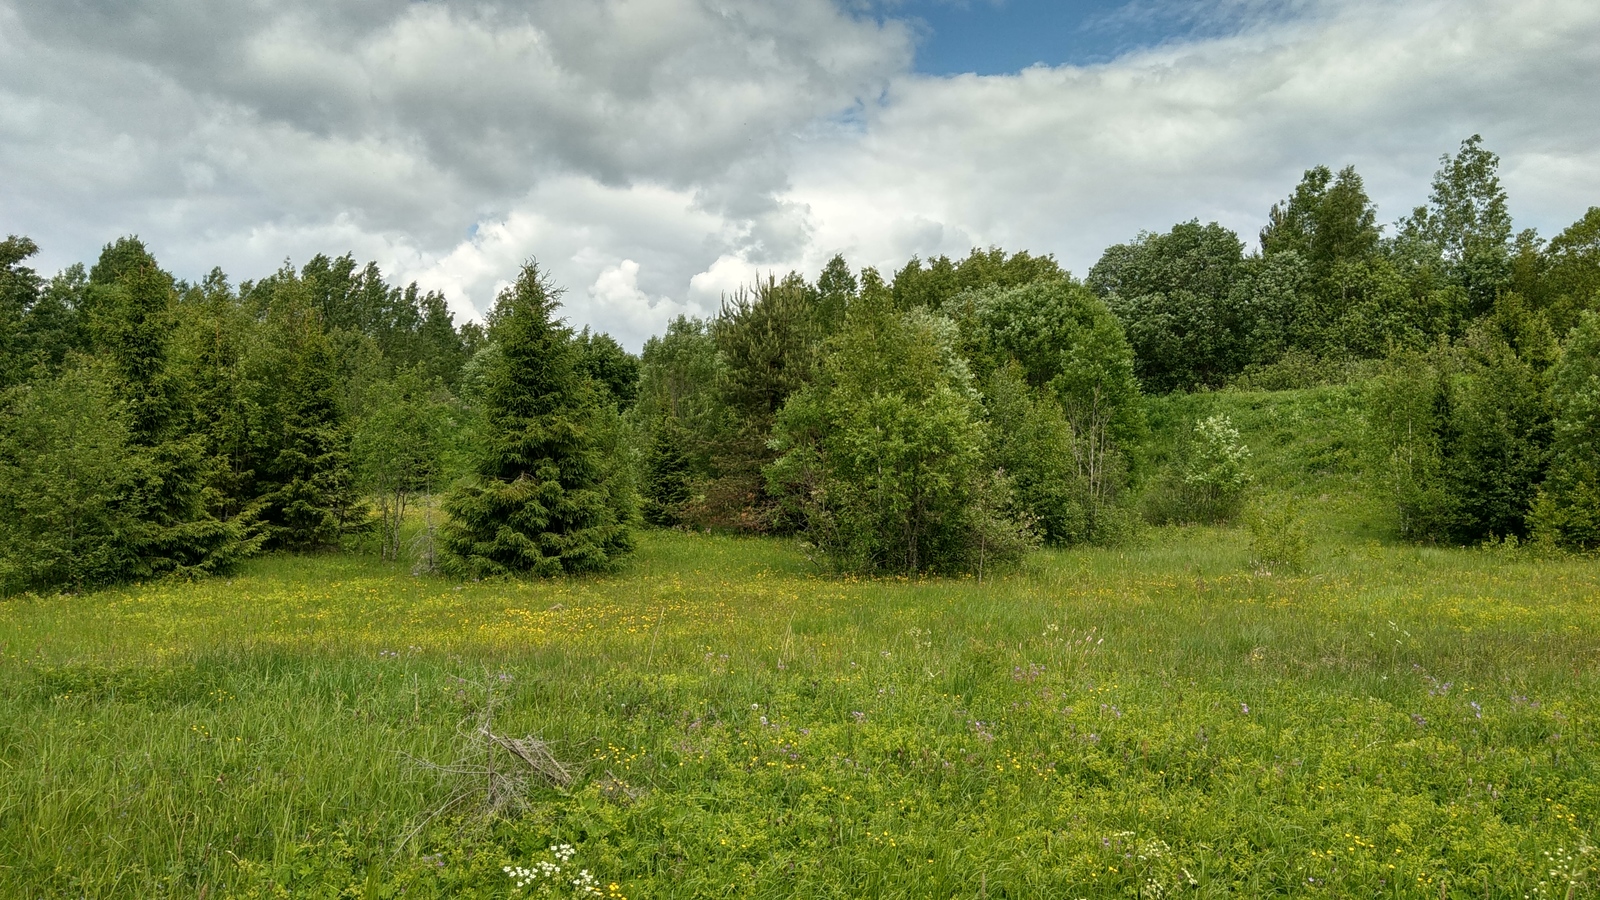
(677, 91)
(415, 116)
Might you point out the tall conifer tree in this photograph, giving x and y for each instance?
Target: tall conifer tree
(130, 322)
(543, 501)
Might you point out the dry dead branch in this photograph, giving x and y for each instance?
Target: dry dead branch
(498, 772)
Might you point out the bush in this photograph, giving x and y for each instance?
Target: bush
(883, 457)
(1464, 430)
(1279, 537)
(1207, 485)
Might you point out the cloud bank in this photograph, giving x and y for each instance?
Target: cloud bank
(654, 153)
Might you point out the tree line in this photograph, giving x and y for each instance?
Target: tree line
(945, 418)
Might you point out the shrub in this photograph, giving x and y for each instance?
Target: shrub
(882, 458)
(1279, 537)
(1464, 430)
(1207, 486)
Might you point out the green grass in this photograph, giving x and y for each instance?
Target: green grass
(1396, 721)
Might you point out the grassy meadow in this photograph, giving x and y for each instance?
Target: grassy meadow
(1166, 718)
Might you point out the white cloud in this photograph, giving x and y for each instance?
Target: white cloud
(654, 154)
(1071, 159)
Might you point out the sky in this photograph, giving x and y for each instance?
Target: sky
(654, 154)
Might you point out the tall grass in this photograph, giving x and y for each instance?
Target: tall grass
(1160, 719)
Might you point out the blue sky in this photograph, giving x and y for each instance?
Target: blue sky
(997, 37)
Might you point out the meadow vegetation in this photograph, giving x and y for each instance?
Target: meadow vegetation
(1166, 717)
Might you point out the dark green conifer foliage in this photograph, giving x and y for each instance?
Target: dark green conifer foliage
(542, 502)
(767, 339)
(669, 474)
(216, 330)
(310, 497)
(440, 350)
(130, 323)
(1466, 429)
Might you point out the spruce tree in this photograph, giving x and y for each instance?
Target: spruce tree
(307, 483)
(171, 530)
(542, 501)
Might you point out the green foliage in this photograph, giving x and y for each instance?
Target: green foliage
(130, 316)
(545, 498)
(678, 419)
(670, 474)
(837, 288)
(767, 341)
(934, 286)
(1069, 348)
(409, 329)
(881, 455)
(1567, 280)
(307, 482)
(1279, 537)
(1320, 287)
(215, 342)
(1175, 294)
(1327, 221)
(400, 451)
(65, 468)
(1567, 512)
(613, 369)
(1465, 430)
(19, 291)
(1207, 481)
(1467, 224)
(1031, 441)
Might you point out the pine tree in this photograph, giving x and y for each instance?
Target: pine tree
(543, 501)
(767, 339)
